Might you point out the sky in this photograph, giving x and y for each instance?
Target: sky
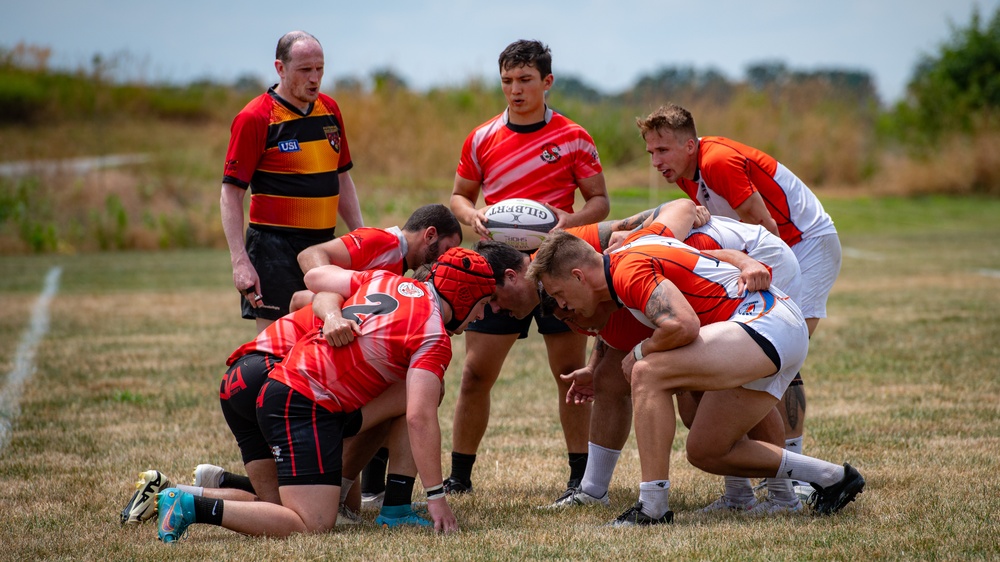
(608, 44)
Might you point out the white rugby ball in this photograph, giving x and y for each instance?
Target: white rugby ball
(521, 223)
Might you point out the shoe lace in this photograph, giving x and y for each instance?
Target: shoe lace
(814, 498)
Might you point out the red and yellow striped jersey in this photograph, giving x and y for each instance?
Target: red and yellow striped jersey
(291, 162)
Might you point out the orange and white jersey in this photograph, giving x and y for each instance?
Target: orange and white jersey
(544, 164)
(401, 329)
(650, 256)
(622, 331)
(279, 337)
(755, 241)
(729, 172)
(377, 248)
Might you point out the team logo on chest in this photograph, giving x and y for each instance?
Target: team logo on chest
(410, 290)
(551, 153)
(332, 133)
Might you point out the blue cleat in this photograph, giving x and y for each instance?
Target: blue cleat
(176, 512)
(397, 515)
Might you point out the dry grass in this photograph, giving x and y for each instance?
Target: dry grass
(902, 382)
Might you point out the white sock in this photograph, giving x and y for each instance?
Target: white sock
(738, 489)
(345, 487)
(655, 497)
(794, 445)
(601, 463)
(780, 489)
(193, 490)
(809, 469)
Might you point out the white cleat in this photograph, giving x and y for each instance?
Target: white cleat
(207, 476)
(142, 506)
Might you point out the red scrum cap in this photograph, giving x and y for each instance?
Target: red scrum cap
(462, 278)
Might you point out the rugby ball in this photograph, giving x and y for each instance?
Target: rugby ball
(521, 223)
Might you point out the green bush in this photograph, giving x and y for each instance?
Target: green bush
(22, 97)
(956, 90)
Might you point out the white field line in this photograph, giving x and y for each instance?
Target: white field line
(990, 273)
(24, 360)
(857, 254)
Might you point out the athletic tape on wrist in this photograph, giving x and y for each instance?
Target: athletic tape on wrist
(435, 492)
(637, 351)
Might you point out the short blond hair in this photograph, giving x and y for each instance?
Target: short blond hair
(670, 117)
(559, 254)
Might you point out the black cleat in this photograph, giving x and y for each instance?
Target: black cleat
(826, 501)
(452, 486)
(634, 516)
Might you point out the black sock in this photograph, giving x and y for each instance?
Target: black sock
(237, 481)
(398, 490)
(373, 476)
(208, 510)
(461, 467)
(577, 466)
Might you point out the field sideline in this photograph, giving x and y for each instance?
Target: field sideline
(903, 381)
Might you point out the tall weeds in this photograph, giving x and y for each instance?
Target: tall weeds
(405, 147)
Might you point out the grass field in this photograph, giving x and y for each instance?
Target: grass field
(903, 381)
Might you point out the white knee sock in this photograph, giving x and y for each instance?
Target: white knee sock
(193, 490)
(655, 498)
(601, 464)
(794, 445)
(345, 487)
(738, 489)
(809, 469)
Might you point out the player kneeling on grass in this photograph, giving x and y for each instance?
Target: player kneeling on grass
(318, 395)
(248, 370)
(742, 347)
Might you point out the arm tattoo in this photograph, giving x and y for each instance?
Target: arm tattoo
(604, 230)
(659, 307)
(601, 348)
(632, 222)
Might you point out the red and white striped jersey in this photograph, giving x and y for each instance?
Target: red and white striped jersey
(544, 165)
(401, 329)
(279, 337)
(376, 248)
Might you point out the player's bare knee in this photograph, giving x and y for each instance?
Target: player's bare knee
(473, 382)
(702, 454)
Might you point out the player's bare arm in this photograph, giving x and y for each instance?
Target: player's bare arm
(676, 322)
(596, 204)
(245, 277)
(348, 205)
(754, 276)
(463, 203)
(581, 390)
(329, 278)
(330, 252)
(337, 330)
(679, 216)
(423, 390)
(754, 211)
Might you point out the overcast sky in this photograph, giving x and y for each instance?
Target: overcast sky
(607, 43)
